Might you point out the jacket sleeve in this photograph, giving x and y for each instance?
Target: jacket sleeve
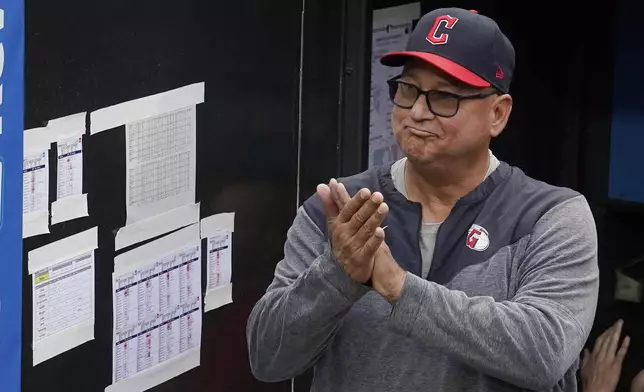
(291, 325)
(534, 338)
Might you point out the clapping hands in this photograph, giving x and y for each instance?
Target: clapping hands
(357, 239)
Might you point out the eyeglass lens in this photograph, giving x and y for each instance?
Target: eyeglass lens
(440, 103)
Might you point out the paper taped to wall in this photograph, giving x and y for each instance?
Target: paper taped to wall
(156, 291)
(69, 208)
(67, 131)
(131, 111)
(157, 225)
(160, 163)
(35, 193)
(67, 127)
(62, 250)
(218, 231)
(63, 294)
(159, 374)
(70, 202)
(37, 139)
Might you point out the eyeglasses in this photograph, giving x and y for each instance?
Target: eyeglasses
(441, 103)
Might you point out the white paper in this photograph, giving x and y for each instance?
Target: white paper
(148, 253)
(218, 297)
(391, 29)
(37, 139)
(219, 259)
(35, 182)
(131, 111)
(70, 167)
(71, 203)
(160, 163)
(35, 223)
(63, 306)
(396, 15)
(69, 208)
(218, 230)
(157, 225)
(158, 374)
(67, 127)
(35, 193)
(62, 250)
(213, 224)
(157, 305)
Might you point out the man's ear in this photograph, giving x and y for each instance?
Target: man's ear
(499, 114)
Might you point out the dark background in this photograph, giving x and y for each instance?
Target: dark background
(262, 131)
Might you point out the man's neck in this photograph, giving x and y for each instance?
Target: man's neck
(438, 186)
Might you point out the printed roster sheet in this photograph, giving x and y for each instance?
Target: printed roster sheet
(157, 310)
(35, 182)
(63, 294)
(218, 231)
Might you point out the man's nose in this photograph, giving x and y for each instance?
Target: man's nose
(420, 111)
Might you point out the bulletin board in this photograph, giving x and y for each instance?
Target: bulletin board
(81, 58)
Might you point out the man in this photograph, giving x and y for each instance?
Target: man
(487, 279)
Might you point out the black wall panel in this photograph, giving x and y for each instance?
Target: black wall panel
(85, 55)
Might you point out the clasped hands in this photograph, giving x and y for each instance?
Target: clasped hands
(358, 241)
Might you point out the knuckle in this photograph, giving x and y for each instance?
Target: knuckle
(359, 217)
(369, 229)
(343, 239)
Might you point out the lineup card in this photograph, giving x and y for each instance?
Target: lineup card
(157, 309)
(35, 182)
(63, 296)
(70, 167)
(62, 279)
(218, 231)
(219, 259)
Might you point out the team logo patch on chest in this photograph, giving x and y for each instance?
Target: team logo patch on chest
(477, 238)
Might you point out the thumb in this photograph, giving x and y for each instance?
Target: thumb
(330, 208)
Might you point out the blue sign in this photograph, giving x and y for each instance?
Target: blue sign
(11, 128)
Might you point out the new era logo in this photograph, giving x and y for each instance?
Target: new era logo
(499, 73)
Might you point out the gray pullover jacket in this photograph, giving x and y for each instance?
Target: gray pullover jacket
(511, 314)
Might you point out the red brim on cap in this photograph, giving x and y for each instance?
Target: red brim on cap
(398, 59)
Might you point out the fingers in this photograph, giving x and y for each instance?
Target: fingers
(355, 204)
(613, 340)
(365, 212)
(373, 243)
(601, 340)
(369, 228)
(333, 185)
(623, 350)
(330, 208)
(344, 195)
(586, 357)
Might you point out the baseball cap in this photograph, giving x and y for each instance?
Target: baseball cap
(464, 44)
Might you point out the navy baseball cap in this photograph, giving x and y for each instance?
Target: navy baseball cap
(464, 44)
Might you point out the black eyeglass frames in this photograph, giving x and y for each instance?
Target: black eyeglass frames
(440, 103)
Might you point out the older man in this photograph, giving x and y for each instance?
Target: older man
(447, 271)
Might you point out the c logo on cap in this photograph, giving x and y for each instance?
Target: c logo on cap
(439, 39)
